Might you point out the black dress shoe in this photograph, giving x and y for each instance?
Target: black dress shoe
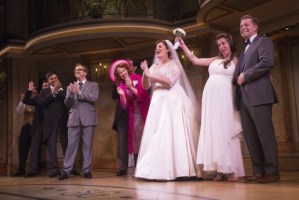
(75, 172)
(63, 176)
(53, 174)
(269, 179)
(182, 179)
(121, 173)
(19, 173)
(254, 178)
(31, 174)
(87, 175)
(188, 178)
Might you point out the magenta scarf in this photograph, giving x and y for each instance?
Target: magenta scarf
(143, 101)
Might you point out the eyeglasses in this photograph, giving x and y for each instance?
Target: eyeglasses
(79, 69)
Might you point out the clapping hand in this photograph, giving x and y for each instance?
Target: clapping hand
(74, 88)
(120, 91)
(144, 68)
(57, 85)
(31, 86)
(128, 82)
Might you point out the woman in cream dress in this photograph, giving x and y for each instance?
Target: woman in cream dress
(220, 133)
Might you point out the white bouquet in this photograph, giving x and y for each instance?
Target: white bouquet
(178, 32)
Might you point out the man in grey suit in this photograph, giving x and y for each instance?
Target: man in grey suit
(255, 96)
(81, 98)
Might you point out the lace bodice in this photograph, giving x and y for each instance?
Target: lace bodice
(169, 70)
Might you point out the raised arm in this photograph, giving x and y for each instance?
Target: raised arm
(192, 57)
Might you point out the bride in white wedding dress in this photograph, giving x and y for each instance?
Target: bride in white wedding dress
(170, 136)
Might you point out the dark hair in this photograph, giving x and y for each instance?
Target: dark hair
(130, 59)
(232, 46)
(122, 65)
(165, 44)
(50, 73)
(255, 20)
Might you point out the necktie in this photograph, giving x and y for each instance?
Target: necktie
(80, 86)
(247, 42)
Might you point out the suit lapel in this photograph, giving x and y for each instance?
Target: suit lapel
(85, 85)
(241, 63)
(248, 52)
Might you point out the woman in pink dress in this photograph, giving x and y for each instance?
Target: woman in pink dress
(133, 98)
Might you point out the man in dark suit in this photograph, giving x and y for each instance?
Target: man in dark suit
(254, 97)
(81, 98)
(120, 124)
(36, 130)
(55, 119)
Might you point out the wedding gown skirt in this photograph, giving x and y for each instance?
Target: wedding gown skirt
(168, 146)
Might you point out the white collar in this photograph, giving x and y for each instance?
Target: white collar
(81, 81)
(252, 38)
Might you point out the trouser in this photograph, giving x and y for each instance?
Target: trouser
(24, 146)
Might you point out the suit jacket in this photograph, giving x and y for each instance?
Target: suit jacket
(54, 111)
(256, 64)
(83, 108)
(121, 115)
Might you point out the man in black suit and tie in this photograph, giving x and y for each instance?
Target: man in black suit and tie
(55, 119)
(81, 98)
(255, 96)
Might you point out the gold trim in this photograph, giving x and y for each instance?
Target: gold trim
(93, 30)
(12, 49)
(99, 29)
(120, 28)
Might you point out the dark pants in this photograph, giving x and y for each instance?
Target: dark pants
(122, 129)
(63, 136)
(35, 158)
(24, 146)
(259, 135)
(52, 149)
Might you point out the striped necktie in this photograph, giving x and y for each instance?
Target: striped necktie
(80, 86)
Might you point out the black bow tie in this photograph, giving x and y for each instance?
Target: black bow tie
(247, 42)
